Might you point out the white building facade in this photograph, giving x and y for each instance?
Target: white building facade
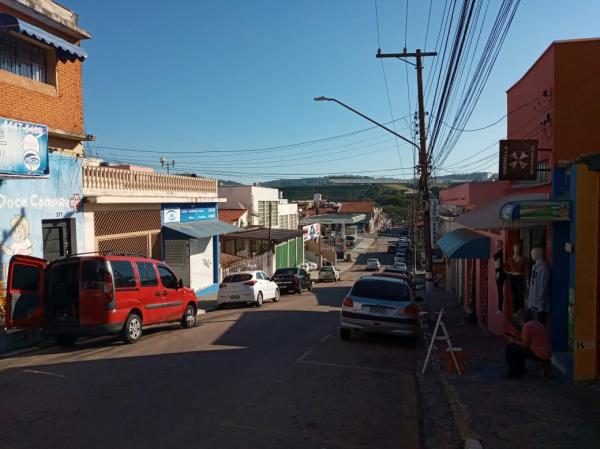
(260, 201)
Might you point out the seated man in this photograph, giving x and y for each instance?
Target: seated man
(533, 343)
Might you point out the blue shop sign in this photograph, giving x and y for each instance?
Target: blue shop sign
(179, 214)
(23, 148)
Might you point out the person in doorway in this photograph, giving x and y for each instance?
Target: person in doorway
(533, 343)
(500, 273)
(538, 300)
(517, 270)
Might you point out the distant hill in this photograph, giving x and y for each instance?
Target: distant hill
(229, 183)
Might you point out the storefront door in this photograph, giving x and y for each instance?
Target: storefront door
(56, 238)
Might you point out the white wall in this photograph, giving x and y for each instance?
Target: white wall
(201, 263)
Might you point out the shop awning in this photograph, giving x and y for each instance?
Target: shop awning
(463, 243)
(490, 217)
(201, 229)
(65, 50)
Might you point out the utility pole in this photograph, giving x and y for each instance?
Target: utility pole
(423, 157)
(270, 224)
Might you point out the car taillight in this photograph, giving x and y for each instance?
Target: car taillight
(107, 287)
(348, 302)
(252, 282)
(411, 309)
(222, 285)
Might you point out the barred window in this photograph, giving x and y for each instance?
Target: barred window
(23, 58)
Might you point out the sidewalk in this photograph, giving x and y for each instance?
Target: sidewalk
(528, 413)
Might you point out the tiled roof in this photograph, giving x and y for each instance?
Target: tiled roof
(231, 215)
(352, 207)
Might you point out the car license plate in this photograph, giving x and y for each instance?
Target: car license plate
(378, 309)
(234, 297)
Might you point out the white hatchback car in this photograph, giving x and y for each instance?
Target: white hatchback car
(329, 273)
(373, 264)
(247, 287)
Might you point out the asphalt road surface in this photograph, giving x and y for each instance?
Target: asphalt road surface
(270, 377)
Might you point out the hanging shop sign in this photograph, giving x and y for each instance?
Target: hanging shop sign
(518, 160)
(311, 232)
(23, 149)
(536, 211)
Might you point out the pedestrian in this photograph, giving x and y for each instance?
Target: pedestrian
(533, 343)
(517, 270)
(500, 274)
(538, 300)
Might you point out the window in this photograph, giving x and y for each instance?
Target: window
(259, 276)
(147, 272)
(379, 289)
(92, 274)
(23, 58)
(265, 276)
(168, 279)
(26, 278)
(237, 278)
(286, 271)
(123, 274)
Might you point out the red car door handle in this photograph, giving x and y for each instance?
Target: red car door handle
(164, 293)
(156, 293)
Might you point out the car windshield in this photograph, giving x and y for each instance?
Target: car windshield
(239, 277)
(327, 269)
(372, 260)
(381, 289)
(286, 271)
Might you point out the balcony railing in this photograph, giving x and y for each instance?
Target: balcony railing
(115, 181)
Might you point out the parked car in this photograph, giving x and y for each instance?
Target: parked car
(95, 294)
(400, 258)
(373, 264)
(400, 266)
(350, 241)
(292, 279)
(329, 273)
(247, 287)
(312, 265)
(381, 303)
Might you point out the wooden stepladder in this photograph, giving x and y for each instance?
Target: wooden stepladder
(439, 325)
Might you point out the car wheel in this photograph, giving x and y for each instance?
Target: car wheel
(299, 291)
(277, 295)
(259, 299)
(345, 334)
(65, 341)
(132, 330)
(310, 286)
(189, 317)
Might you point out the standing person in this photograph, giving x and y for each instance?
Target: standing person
(538, 300)
(500, 274)
(517, 270)
(533, 343)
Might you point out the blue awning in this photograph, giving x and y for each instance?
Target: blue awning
(465, 244)
(200, 229)
(65, 50)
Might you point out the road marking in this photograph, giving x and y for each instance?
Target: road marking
(45, 373)
(303, 356)
(325, 338)
(357, 367)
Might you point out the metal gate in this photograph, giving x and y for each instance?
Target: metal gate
(262, 262)
(129, 231)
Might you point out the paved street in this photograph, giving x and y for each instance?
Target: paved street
(274, 377)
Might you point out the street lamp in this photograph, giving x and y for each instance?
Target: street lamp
(164, 162)
(321, 98)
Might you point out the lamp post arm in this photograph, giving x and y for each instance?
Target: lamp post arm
(374, 122)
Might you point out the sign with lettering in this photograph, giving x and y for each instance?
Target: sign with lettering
(518, 160)
(23, 149)
(182, 214)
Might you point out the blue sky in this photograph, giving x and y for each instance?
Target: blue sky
(216, 78)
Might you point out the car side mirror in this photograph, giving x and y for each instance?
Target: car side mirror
(179, 283)
(419, 299)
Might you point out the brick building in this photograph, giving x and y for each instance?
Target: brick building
(41, 131)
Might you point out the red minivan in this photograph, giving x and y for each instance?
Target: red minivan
(95, 294)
